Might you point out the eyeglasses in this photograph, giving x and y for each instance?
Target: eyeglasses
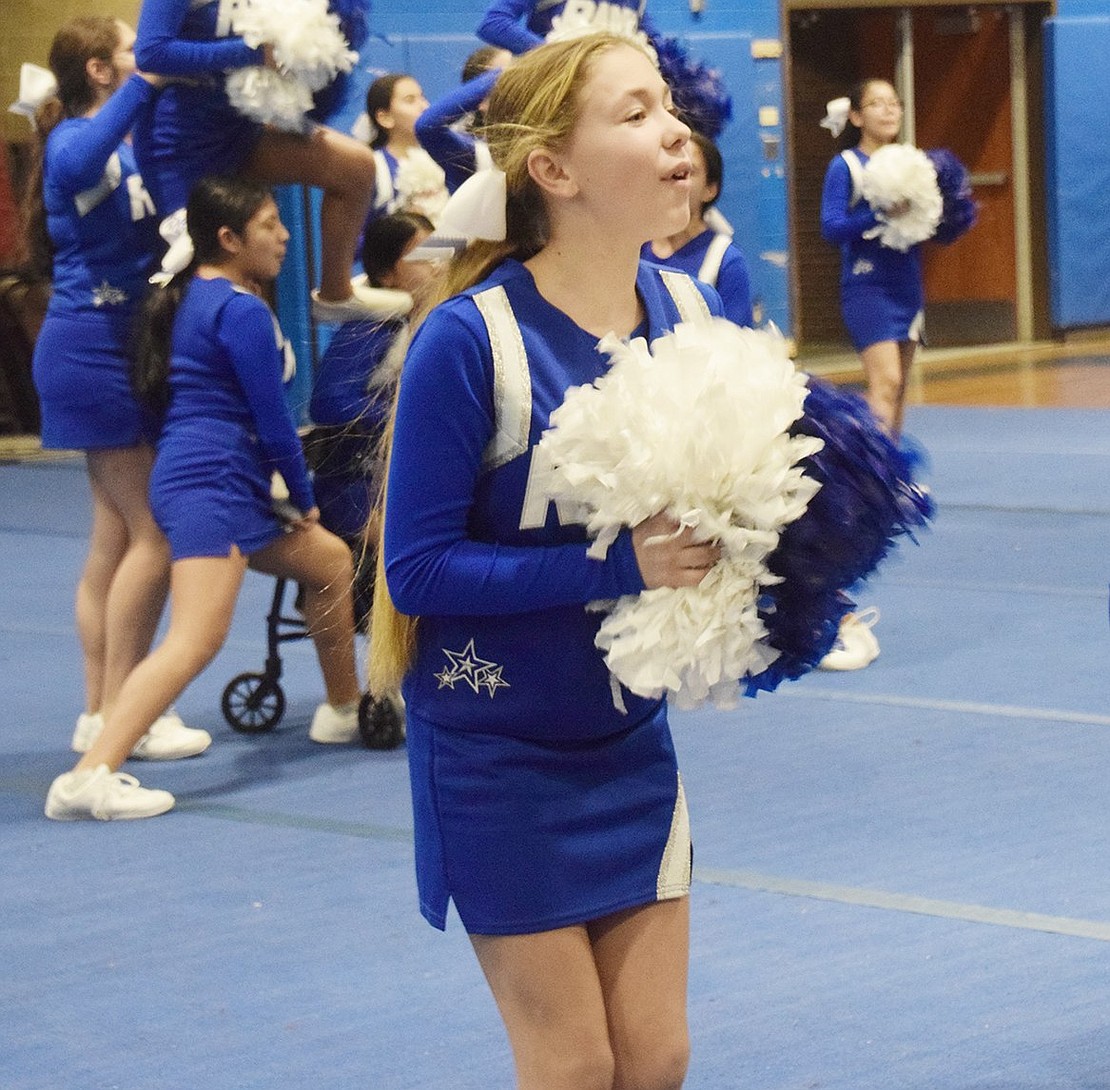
(882, 104)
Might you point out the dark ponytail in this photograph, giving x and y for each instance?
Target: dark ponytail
(214, 202)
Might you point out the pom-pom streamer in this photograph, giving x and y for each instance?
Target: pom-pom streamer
(959, 208)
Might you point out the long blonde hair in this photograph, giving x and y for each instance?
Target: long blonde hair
(535, 104)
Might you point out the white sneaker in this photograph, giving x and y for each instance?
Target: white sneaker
(856, 646)
(104, 795)
(364, 303)
(332, 725)
(167, 740)
(86, 732)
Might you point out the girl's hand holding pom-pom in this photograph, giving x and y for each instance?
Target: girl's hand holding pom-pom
(669, 554)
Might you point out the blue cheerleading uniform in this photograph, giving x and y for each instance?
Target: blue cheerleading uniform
(714, 259)
(193, 130)
(520, 25)
(227, 427)
(345, 401)
(881, 292)
(458, 153)
(537, 803)
(102, 225)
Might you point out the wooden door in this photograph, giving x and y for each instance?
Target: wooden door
(962, 100)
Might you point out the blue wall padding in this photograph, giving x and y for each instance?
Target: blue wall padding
(1077, 87)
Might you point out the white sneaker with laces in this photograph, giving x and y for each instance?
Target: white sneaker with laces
(363, 304)
(103, 795)
(856, 646)
(332, 725)
(167, 740)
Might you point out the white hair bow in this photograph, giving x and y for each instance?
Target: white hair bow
(173, 230)
(477, 208)
(36, 85)
(836, 115)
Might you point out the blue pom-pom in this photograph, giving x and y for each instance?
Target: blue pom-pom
(867, 499)
(960, 210)
(699, 92)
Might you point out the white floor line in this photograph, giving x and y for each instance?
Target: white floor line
(963, 707)
(903, 902)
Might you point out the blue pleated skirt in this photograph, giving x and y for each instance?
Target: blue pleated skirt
(210, 489)
(528, 836)
(874, 313)
(82, 375)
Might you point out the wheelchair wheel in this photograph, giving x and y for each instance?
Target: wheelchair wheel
(253, 703)
(381, 723)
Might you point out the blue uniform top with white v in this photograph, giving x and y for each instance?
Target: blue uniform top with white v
(103, 228)
(520, 25)
(99, 217)
(537, 802)
(457, 152)
(475, 548)
(193, 130)
(725, 269)
(227, 428)
(881, 288)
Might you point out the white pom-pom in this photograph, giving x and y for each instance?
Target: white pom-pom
(897, 174)
(270, 97)
(696, 427)
(420, 184)
(308, 48)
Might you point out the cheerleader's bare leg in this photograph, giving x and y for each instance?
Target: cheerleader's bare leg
(596, 1007)
(886, 367)
(322, 563)
(340, 166)
(203, 591)
(135, 594)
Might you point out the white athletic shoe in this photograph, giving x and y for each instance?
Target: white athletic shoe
(856, 646)
(103, 795)
(332, 725)
(363, 304)
(167, 740)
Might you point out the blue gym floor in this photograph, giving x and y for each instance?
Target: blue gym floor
(901, 875)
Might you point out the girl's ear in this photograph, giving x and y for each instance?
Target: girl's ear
(99, 72)
(546, 170)
(229, 240)
(384, 120)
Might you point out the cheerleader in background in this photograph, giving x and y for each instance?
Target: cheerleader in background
(211, 351)
(406, 177)
(93, 232)
(194, 130)
(881, 294)
(555, 822)
(520, 25)
(446, 128)
(353, 387)
(704, 252)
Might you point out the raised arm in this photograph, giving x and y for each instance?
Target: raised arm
(160, 47)
(77, 154)
(454, 151)
(503, 25)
